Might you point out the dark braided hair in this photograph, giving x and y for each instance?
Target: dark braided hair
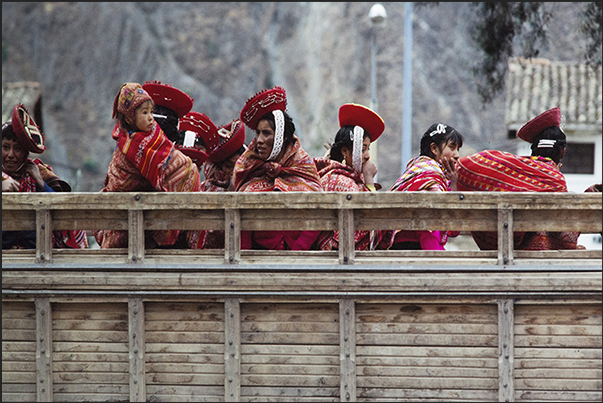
(553, 148)
(344, 138)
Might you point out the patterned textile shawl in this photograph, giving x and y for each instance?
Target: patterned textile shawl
(296, 172)
(216, 180)
(178, 174)
(148, 151)
(501, 171)
(70, 239)
(422, 173)
(338, 177)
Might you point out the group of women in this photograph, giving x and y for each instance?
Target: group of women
(161, 145)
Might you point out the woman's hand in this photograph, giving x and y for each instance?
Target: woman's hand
(9, 185)
(451, 172)
(32, 169)
(369, 170)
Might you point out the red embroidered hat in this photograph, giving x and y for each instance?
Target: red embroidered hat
(198, 126)
(549, 118)
(203, 127)
(26, 130)
(358, 115)
(261, 103)
(232, 137)
(170, 97)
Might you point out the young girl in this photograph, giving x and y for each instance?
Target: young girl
(145, 160)
(348, 166)
(435, 169)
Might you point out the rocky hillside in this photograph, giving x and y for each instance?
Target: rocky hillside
(223, 53)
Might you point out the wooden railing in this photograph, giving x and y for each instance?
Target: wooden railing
(138, 324)
(345, 212)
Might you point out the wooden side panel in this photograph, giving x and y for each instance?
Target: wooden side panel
(184, 351)
(90, 352)
(18, 352)
(410, 352)
(558, 353)
(290, 352)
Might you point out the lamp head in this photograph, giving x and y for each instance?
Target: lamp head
(377, 14)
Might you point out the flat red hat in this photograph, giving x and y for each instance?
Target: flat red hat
(549, 118)
(27, 131)
(232, 137)
(261, 103)
(204, 128)
(358, 115)
(202, 125)
(169, 97)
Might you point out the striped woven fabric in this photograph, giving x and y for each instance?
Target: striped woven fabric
(338, 177)
(500, 171)
(295, 172)
(150, 171)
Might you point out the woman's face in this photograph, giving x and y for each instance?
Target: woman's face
(229, 163)
(144, 117)
(264, 136)
(366, 155)
(450, 151)
(13, 156)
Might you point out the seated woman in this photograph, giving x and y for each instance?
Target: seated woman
(274, 161)
(348, 167)
(499, 171)
(433, 170)
(219, 168)
(21, 136)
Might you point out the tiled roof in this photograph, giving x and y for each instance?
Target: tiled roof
(25, 92)
(536, 85)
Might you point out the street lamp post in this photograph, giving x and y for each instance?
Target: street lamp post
(377, 15)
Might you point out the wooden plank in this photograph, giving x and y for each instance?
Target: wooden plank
(506, 359)
(376, 282)
(136, 237)
(136, 338)
(43, 236)
(347, 343)
(18, 220)
(232, 350)
(90, 219)
(232, 234)
(44, 350)
(505, 235)
(346, 236)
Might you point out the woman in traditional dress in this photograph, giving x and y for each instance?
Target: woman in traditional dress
(348, 167)
(274, 161)
(499, 171)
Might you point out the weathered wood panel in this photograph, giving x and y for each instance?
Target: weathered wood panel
(184, 351)
(18, 352)
(98, 333)
(289, 352)
(558, 352)
(423, 351)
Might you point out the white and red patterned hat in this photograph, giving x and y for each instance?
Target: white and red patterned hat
(261, 103)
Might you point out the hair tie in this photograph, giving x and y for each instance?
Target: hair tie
(441, 128)
(279, 132)
(357, 137)
(546, 143)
